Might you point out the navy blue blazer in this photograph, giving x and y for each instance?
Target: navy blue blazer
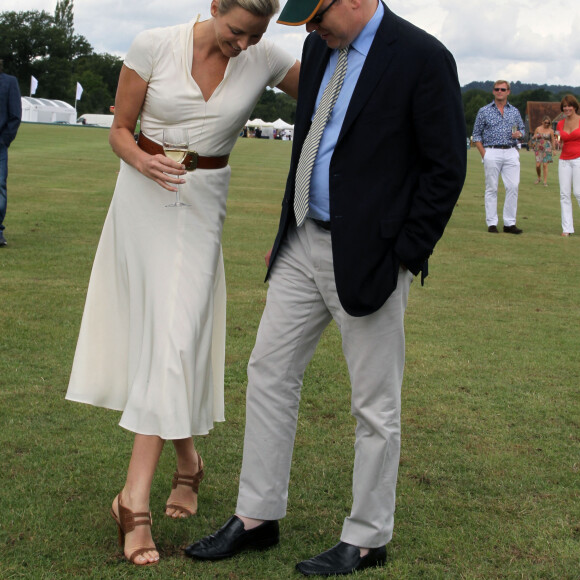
(10, 108)
(399, 163)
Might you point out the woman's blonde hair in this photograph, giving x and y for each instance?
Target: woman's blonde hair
(257, 7)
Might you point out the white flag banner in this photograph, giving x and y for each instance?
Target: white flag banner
(79, 91)
(33, 85)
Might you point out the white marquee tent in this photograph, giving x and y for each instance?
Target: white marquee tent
(280, 124)
(47, 111)
(258, 123)
(284, 129)
(267, 128)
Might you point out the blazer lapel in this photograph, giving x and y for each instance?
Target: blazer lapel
(380, 55)
(319, 55)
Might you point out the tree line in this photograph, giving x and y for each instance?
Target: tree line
(36, 43)
(44, 46)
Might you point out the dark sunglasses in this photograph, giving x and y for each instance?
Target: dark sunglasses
(495, 88)
(317, 18)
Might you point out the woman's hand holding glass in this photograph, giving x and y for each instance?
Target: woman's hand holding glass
(176, 146)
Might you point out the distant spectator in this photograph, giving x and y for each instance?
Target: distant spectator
(10, 115)
(544, 145)
(569, 165)
(496, 131)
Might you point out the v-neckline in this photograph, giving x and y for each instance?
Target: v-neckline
(190, 43)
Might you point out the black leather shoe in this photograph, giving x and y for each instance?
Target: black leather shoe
(342, 559)
(512, 230)
(492, 230)
(232, 538)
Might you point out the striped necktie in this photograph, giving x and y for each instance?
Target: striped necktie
(312, 141)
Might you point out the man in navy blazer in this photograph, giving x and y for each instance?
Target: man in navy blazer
(386, 177)
(10, 115)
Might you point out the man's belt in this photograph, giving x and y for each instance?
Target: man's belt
(191, 161)
(499, 146)
(322, 224)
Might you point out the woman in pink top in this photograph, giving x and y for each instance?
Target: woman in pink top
(569, 165)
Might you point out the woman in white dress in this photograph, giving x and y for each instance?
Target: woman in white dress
(152, 338)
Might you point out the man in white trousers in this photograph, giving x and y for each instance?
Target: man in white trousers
(496, 131)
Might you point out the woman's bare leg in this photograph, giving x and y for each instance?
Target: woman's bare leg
(187, 464)
(135, 495)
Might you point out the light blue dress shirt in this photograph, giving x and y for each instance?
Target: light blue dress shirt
(359, 48)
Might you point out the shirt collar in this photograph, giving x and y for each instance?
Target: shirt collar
(362, 43)
(507, 104)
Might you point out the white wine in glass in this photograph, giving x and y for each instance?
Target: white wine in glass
(176, 146)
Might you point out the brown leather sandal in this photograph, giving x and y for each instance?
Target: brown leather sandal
(127, 521)
(192, 481)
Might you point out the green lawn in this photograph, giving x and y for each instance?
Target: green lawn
(489, 481)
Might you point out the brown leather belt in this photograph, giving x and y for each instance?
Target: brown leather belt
(192, 160)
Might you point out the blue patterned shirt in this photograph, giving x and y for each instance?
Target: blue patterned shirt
(493, 128)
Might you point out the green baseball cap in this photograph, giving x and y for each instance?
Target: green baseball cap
(297, 12)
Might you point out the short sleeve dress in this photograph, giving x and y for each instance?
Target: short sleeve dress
(543, 148)
(152, 337)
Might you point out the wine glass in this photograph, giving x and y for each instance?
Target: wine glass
(176, 146)
(514, 131)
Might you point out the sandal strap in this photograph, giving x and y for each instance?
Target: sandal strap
(129, 520)
(192, 481)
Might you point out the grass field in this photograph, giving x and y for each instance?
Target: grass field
(489, 482)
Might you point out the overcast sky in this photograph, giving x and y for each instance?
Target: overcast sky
(527, 40)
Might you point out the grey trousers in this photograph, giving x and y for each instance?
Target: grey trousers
(301, 302)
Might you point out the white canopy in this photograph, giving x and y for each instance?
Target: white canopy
(258, 123)
(47, 111)
(280, 124)
(97, 120)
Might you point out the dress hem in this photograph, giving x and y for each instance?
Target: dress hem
(171, 437)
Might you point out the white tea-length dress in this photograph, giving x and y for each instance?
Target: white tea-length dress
(152, 337)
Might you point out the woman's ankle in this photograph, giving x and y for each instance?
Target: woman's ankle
(188, 465)
(136, 500)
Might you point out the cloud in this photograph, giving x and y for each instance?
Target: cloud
(526, 40)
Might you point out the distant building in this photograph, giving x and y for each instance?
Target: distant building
(96, 120)
(47, 111)
(536, 111)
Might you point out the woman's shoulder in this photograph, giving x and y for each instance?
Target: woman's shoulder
(161, 34)
(268, 54)
(150, 45)
(261, 49)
